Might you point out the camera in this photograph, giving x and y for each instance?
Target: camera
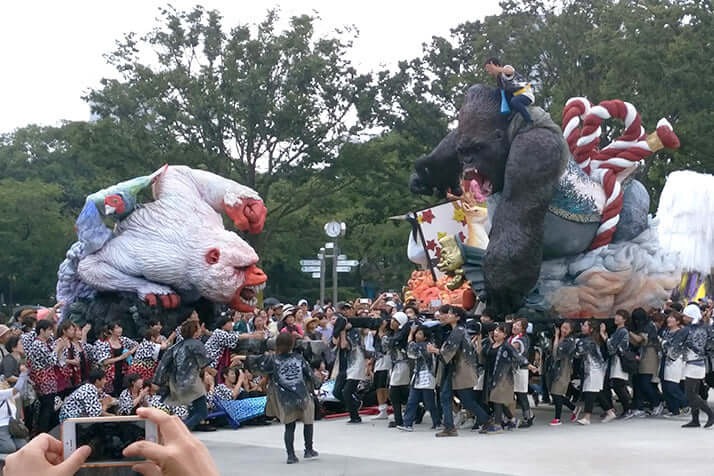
(473, 327)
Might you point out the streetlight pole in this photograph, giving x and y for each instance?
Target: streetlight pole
(335, 254)
(334, 230)
(322, 276)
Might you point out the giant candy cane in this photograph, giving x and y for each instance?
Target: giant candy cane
(606, 165)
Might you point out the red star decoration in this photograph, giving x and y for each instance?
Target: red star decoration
(462, 237)
(438, 252)
(431, 245)
(427, 216)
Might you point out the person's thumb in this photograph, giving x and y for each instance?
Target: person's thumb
(72, 464)
(147, 469)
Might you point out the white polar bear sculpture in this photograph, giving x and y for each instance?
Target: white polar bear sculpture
(177, 244)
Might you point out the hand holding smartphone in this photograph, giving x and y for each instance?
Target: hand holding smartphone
(107, 437)
(179, 453)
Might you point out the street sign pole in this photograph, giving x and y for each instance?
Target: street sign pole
(322, 276)
(335, 254)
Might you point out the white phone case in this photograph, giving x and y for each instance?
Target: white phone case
(69, 437)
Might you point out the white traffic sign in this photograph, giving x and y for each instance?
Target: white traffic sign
(310, 262)
(316, 275)
(310, 269)
(347, 262)
(344, 269)
(341, 257)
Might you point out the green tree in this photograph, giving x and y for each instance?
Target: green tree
(35, 235)
(265, 104)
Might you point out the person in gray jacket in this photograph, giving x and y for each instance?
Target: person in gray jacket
(395, 345)
(695, 368)
(423, 379)
(617, 344)
(562, 371)
(457, 371)
(673, 351)
(291, 386)
(587, 348)
(647, 341)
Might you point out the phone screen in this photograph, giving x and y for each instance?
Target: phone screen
(108, 439)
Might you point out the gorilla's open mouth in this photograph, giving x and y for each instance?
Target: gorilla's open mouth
(249, 294)
(478, 183)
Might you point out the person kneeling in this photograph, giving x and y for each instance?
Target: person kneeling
(290, 388)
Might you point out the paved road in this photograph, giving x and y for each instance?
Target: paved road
(237, 459)
(653, 446)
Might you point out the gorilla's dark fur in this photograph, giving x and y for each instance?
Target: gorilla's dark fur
(524, 172)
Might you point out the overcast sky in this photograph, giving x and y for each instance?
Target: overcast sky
(52, 50)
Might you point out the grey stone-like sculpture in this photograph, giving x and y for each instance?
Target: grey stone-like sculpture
(541, 205)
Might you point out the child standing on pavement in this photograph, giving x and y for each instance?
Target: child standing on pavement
(290, 390)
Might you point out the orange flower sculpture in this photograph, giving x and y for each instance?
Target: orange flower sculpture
(425, 291)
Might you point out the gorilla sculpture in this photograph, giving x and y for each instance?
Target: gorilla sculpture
(541, 205)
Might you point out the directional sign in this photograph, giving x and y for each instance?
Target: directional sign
(316, 275)
(344, 269)
(341, 257)
(310, 262)
(347, 262)
(310, 269)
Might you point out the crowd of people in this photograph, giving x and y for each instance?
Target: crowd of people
(656, 363)
(463, 369)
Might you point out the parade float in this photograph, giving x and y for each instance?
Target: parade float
(568, 229)
(686, 228)
(163, 257)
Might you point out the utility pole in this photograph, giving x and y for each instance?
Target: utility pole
(322, 276)
(335, 254)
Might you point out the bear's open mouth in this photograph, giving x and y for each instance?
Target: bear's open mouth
(478, 183)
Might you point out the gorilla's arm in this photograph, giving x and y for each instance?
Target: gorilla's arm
(515, 251)
(440, 170)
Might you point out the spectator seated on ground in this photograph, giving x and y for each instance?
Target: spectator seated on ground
(133, 396)
(89, 400)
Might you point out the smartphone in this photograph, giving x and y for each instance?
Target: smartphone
(107, 436)
(364, 300)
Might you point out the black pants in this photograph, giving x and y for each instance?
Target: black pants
(48, 416)
(350, 398)
(559, 401)
(341, 378)
(499, 409)
(696, 402)
(522, 400)
(620, 388)
(289, 437)
(704, 390)
(519, 103)
(591, 397)
(646, 391)
(398, 395)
